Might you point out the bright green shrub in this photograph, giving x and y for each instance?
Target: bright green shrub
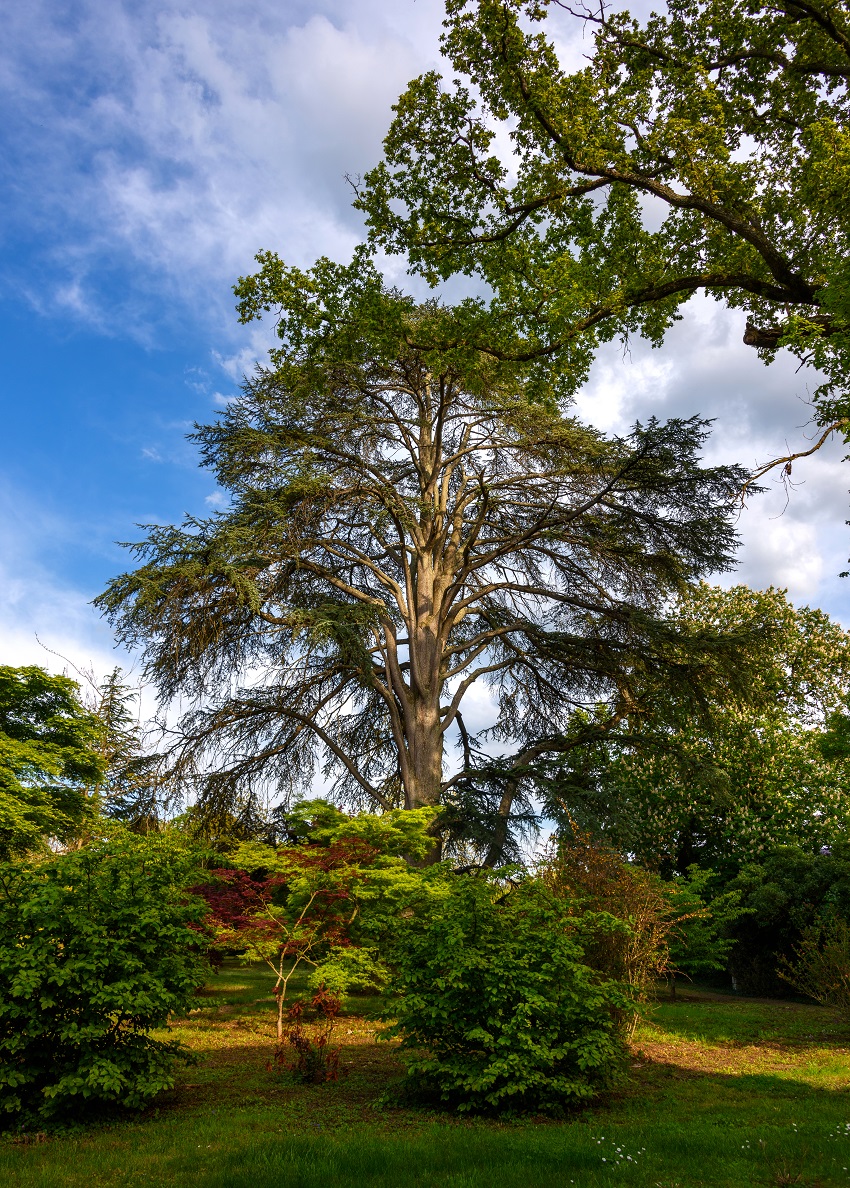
(495, 1007)
(96, 949)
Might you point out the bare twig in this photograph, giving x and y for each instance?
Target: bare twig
(787, 460)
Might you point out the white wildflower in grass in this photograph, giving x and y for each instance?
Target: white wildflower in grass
(617, 1155)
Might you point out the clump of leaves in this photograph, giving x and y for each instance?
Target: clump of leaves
(494, 1004)
(322, 904)
(296, 916)
(789, 891)
(97, 948)
(820, 967)
(49, 760)
(590, 877)
(306, 1052)
(648, 928)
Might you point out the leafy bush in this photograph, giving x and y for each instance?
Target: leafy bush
(667, 927)
(299, 915)
(820, 968)
(97, 947)
(495, 1007)
(704, 914)
(785, 894)
(323, 903)
(588, 876)
(306, 1052)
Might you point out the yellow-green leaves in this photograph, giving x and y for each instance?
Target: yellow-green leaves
(50, 759)
(702, 149)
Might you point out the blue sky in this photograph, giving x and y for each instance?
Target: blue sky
(148, 150)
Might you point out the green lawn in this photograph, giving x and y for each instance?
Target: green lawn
(724, 1092)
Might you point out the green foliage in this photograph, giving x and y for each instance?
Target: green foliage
(586, 876)
(820, 966)
(298, 916)
(705, 148)
(666, 927)
(330, 900)
(128, 787)
(97, 948)
(394, 834)
(409, 517)
(722, 782)
(834, 741)
(493, 1002)
(702, 916)
(50, 759)
(785, 894)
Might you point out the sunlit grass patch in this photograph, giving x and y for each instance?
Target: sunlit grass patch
(724, 1092)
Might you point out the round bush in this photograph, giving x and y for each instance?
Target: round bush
(494, 1005)
(96, 949)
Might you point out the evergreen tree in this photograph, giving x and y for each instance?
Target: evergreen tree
(128, 787)
(409, 518)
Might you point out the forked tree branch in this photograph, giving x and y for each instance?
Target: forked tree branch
(787, 460)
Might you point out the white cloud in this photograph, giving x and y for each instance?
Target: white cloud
(782, 553)
(793, 538)
(47, 620)
(163, 145)
(36, 602)
(181, 142)
(243, 360)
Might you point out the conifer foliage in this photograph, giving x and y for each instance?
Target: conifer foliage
(408, 518)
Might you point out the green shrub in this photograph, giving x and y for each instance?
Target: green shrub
(588, 876)
(784, 895)
(821, 965)
(96, 949)
(667, 927)
(495, 1007)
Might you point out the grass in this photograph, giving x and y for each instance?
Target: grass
(724, 1091)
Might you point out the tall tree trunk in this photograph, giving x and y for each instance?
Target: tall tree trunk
(424, 784)
(426, 759)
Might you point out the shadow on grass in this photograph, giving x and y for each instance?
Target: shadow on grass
(712, 1130)
(751, 1133)
(232, 1074)
(230, 1123)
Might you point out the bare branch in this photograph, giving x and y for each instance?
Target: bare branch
(787, 460)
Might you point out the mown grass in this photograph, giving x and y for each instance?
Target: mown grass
(724, 1091)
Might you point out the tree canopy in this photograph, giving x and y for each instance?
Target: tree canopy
(707, 149)
(49, 759)
(406, 520)
(731, 782)
(127, 789)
